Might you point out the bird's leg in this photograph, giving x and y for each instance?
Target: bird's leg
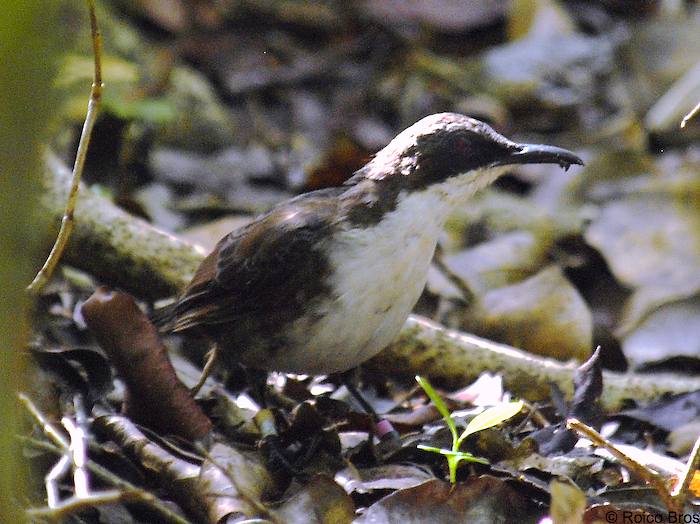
(438, 259)
(271, 443)
(212, 357)
(257, 385)
(382, 427)
(272, 446)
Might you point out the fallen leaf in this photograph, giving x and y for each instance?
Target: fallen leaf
(668, 413)
(543, 314)
(568, 503)
(682, 439)
(651, 245)
(389, 476)
(321, 501)
(443, 15)
(670, 331)
(478, 500)
(154, 397)
(233, 483)
(506, 259)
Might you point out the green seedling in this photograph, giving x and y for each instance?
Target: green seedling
(487, 419)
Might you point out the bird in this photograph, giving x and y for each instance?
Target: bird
(323, 281)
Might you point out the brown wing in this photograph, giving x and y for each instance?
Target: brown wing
(269, 267)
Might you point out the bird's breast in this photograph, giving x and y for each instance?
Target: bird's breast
(378, 274)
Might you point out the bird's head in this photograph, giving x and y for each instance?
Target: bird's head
(453, 150)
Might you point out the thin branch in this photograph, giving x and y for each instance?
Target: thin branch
(78, 448)
(60, 469)
(74, 457)
(61, 445)
(47, 427)
(693, 465)
(455, 279)
(75, 504)
(212, 358)
(648, 475)
(689, 116)
(93, 108)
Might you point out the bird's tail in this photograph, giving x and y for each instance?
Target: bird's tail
(164, 318)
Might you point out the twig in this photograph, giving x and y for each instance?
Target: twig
(49, 429)
(78, 448)
(60, 469)
(93, 107)
(75, 504)
(75, 457)
(689, 116)
(212, 358)
(648, 475)
(680, 493)
(456, 280)
(204, 490)
(60, 446)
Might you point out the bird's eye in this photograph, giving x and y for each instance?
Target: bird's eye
(461, 145)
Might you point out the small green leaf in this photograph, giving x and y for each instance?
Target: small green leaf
(491, 417)
(439, 404)
(487, 419)
(430, 448)
(462, 455)
(454, 458)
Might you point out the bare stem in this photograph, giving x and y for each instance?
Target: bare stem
(127, 490)
(690, 115)
(693, 465)
(455, 279)
(94, 102)
(76, 504)
(648, 475)
(49, 429)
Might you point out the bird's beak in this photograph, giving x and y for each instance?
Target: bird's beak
(540, 154)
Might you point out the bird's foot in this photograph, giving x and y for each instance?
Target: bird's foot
(389, 438)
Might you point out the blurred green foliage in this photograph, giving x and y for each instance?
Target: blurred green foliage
(30, 41)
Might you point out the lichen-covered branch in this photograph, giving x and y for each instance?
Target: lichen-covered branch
(457, 358)
(127, 252)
